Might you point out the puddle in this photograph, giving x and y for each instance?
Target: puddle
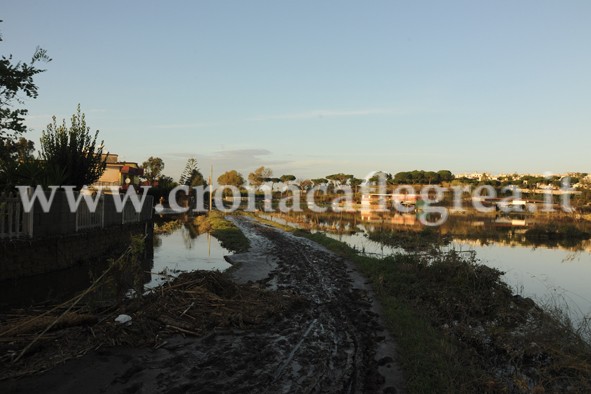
(185, 251)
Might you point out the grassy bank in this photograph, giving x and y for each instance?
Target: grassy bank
(225, 231)
(460, 328)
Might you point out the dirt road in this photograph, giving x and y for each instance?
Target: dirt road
(334, 343)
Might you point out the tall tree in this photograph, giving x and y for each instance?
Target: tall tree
(153, 168)
(16, 83)
(355, 183)
(191, 175)
(231, 178)
(259, 176)
(16, 79)
(73, 150)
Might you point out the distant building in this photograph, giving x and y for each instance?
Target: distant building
(120, 173)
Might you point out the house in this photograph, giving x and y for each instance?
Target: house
(119, 173)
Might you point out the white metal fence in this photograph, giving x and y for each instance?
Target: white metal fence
(130, 215)
(14, 222)
(85, 219)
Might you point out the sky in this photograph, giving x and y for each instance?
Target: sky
(312, 88)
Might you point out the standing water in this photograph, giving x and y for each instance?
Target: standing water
(551, 273)
(180, 251)
(183, 250)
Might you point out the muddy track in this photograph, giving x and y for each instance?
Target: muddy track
(333, 343)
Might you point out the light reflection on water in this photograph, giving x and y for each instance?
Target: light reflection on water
(549, 275)
(183, 250)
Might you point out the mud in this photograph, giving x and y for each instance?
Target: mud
(335, 343)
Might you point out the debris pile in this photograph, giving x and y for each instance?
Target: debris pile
(194, 304)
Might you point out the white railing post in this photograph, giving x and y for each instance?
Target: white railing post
(14, 221)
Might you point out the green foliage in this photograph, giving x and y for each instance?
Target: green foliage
(191, 175)
(417, 177)
(339, 179)
(319, 181)
(153, 168)
(260, 175)
(73, 150)
(232, 178)
(376, 178)
(164, 185)
(16, 79)
(459, 328)
(287, 178)
(225, 231)
(17, 165)
(306, 184)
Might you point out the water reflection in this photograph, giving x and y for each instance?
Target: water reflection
(181, 250)
(546, 268)
(185, 250)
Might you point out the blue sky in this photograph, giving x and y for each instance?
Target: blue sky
(312, 88)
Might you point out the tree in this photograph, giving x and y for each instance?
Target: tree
(305, 184)
(231, 178)
(162, 190)
(355, 183)
(19, 150)
(273, 181)
(260, 175)
(446, 175)
(339, 179)
(191, 175)
(153, 169)
(73, 150)
(16, 79)
(378, 175)
(287, 178)
(432, 177)
(319, 181)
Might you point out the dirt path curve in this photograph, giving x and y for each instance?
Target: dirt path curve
(334, 343)
(344, 347)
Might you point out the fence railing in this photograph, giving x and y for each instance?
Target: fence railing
(14, 222)
(85, 219)
(130, 215)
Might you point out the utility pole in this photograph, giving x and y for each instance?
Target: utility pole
(210, 188)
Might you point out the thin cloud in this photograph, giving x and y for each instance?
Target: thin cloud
(314, 114)
(327, 114)
(198, 125)
(240, 153)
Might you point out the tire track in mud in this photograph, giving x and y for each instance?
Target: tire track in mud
(337, 352)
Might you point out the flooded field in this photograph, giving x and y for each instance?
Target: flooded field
(550, 271)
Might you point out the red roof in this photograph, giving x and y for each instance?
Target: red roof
(131, 170)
